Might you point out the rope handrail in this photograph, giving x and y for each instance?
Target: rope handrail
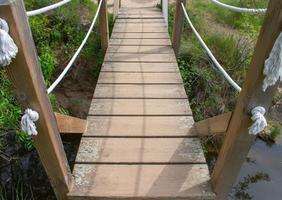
(239, 9)
(69, 65)
(47, 8)
(221, 69)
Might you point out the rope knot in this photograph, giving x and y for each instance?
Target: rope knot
(27, 122)
(8, 48)
(259, 120)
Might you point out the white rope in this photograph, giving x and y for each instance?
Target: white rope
(273, 65)
(47, 8)
(58, 80)
(8, 48)
(238, 9)
(259, 121)
(220, 68)
(27, 122)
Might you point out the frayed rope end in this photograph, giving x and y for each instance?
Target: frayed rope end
(8, 48)
(27, 122)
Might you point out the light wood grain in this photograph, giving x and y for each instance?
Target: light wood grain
(163, 182)
(140, 126)
(139, 67)
(141, 49)
(140, 42)
(139, 57)
(140, 107)
(139, 78)
(139, 91)
(140, 150)
(140, 35)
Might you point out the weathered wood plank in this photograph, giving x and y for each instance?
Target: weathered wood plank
(68, 124)
(103, 25)
(140, 78)
(139, 57)
(139, 91)
(139, 126)
(142, 25)
(140, 21)
(140, 107)
(140, 42)
(139, 29)
(140, 150)
(141, 49)
(139, 67)
(140, 35)
(214, 125)
(163, 182)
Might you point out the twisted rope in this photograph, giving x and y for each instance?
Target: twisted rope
(220, 68)
(259, 121)
(273, 65)
(69, 65)
(27, 121)
(238, 9)
(47, 8)
(8, 48)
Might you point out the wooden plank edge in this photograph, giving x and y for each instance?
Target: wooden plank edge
(68, 124)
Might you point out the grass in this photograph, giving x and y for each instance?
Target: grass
(230, 36)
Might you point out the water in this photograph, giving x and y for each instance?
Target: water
(261, 175)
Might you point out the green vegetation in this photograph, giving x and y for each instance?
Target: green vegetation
(231, 37)
(57, 35)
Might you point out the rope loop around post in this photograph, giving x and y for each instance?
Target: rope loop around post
(8, 48)
(259, 121)
(27, 122)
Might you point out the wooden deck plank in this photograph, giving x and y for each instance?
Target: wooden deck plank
(139, 67)
(140, 21)
(140, 35)
(140, 150)
(139, 57)
(139, 29)
(140, 126)
(139, 91)
(139, 78)
(162, 182)
(140, 42)
(163, 107)
(141, 49)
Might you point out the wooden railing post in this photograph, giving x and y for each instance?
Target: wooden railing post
(116, 8)
(27, 79)
(238, 142)
(103, 25)
(178, 26)
(165, 10)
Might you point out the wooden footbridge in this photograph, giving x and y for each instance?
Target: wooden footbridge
(139, 140)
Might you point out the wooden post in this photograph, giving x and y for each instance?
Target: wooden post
(27, 79)
(119, 4)
(238, 142)
(178, 26)
(103, 25)
(165, 10)
(116, 8)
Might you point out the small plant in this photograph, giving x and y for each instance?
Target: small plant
(275, 132)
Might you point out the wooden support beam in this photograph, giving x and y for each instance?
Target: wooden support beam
(103, 25)
(116, 8)
(238, 142)
(27, 78)
(213, 125)
(178, 26)
(68, 124)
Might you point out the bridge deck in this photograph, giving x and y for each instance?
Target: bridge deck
(139, 143)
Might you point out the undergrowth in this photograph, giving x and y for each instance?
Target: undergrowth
(57, 35)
